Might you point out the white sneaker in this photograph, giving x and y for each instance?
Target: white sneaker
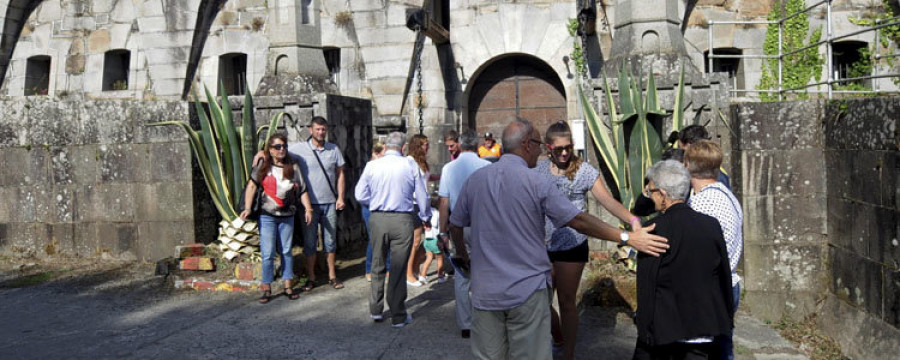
(377, 318)
(413, 283)
(408, 321)
(422, 279)
(441, 280)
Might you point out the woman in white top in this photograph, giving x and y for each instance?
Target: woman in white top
(417, 151)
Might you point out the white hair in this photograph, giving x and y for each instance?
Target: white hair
(671, 176)
(395, 140)
(468, 140)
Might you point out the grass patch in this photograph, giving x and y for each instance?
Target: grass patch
(29, 280)
(809, 339)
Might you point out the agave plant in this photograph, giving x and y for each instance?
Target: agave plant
(224, 152)
(628, 162)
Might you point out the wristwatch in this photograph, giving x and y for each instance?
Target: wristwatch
(623, 238)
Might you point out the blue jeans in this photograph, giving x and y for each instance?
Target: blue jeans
(365, 215)
(326, 215)
(276, 234)
(726, 342)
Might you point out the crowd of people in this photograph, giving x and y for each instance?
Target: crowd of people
(509, 218)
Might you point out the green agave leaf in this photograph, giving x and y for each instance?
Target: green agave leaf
(678, 107)
(224, 146)
(652, 95)
(273, 125)
(231, 148)
(599, 134)
(212, 154)
(625, 97)
(248, 120)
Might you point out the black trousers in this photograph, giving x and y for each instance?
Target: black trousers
(390, 232)
(675, 351)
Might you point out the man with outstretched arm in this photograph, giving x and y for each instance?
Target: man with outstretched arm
(505, 204)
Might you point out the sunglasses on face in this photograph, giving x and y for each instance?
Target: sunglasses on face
(278, 146)
(558, 150)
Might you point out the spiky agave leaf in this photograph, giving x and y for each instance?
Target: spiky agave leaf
(599, 134)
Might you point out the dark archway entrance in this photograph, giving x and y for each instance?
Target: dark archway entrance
(517, 85)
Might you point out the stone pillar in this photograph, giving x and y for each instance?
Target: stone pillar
(649, 32)
(296, 41)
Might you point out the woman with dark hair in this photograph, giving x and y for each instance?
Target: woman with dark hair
(281, 180)
(417, 150)
(568, 249)
(684, 296)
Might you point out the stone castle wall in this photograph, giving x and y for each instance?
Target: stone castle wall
(84, 178)
(819, 185)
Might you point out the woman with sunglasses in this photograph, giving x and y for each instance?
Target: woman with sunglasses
(283, 185)
(568, 249)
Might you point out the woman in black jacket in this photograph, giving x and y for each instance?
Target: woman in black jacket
(684, 296)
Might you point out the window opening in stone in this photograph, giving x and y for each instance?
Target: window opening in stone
(333, 61)
(233, 73)
(851, 59)
(305, 10)
(115, 70)
(731, 66)
(37, 75)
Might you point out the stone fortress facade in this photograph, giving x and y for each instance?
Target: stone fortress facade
(81, 174)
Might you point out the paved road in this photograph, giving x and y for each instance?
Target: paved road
(109, 315)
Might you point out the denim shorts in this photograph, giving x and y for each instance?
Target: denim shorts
(326, 216)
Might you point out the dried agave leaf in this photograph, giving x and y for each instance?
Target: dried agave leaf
(234, 245)
(242, 237)
(231, 232)
(230, 254)
(238, 222)
(250, 226)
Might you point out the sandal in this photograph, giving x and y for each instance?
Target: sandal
(266, 297)
(309, 285)
(335, 283)
(291, 295)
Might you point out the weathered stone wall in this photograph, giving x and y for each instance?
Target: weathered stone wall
(87, 178)
(819, 183)
(863, 162)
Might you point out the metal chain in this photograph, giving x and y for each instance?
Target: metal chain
(582, 24)
(419, 104)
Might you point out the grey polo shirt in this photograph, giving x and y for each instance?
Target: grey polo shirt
(505, 204)
(317, 185)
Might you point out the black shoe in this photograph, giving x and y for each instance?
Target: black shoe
(466, 334)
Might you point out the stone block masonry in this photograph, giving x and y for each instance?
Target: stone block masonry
(819, 185)
(87, 178)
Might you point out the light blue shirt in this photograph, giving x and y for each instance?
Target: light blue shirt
(455, 173)
(505, 204)
(317, 180)
(390, 183)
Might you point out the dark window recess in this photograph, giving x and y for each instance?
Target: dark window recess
(233, 73)
(37, 75)
(848, 61)
(115, 70)
(732, 66)
(305, 11)
(333, 61)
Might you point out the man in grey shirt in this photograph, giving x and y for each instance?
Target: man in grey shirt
(323, 165)
(505, 205)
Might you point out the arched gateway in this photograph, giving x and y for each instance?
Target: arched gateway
(515, 85)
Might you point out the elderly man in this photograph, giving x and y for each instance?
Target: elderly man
(453, 176)
(505, 205)
(387, 186)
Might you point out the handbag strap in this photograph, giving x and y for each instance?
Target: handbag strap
(321, 166)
